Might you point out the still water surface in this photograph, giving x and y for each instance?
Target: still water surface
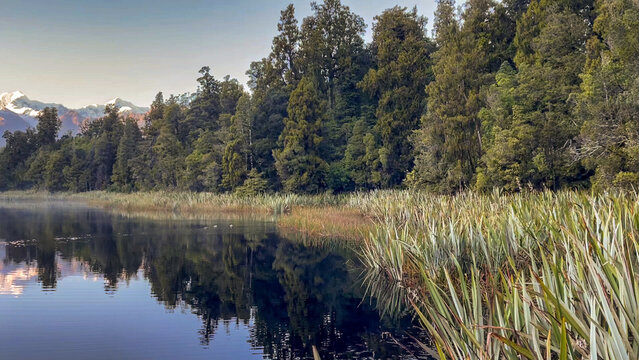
(82, 283)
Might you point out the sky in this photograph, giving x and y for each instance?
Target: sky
(79, 52)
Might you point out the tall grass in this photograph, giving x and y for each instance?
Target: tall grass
(324, 216)
(536, 276)
(181, 201)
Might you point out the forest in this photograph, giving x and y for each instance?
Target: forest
(518, 94)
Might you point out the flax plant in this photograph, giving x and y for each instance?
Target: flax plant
(536, 276)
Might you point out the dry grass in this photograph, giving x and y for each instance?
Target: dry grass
(328, 222)
(320, 216)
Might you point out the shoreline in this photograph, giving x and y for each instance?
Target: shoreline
(321, 216)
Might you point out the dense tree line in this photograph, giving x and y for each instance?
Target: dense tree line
(513, 94)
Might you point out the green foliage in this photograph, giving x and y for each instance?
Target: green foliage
(535, 275)
(608, 104)
(401, 72)
(285, 55)
(48, 126)
(122, 177)
(169, 153)
(449, 144)
(254, 185)
(332, 53)
(298, 163)
(512, 95)
(233, 165)
(237, 158)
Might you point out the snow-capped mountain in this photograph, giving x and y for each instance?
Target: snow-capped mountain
(95, 110)
(16, 103)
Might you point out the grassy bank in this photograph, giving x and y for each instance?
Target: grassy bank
(320, 216)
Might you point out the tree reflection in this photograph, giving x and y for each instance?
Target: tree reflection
(293, 296)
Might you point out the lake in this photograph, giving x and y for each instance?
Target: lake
(78, 282)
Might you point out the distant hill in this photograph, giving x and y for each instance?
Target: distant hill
(10, 121)
(18, 112)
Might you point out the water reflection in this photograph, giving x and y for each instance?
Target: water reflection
(230, 274)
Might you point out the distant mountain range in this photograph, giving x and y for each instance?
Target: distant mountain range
(18, 112)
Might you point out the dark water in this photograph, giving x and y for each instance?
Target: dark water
(80, 283)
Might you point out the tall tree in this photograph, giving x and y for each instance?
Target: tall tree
(204, 112)
(170, 159)
(402, 71)
(608, 103)
(284, 55)
(450, 143)
(331, 39)
(238, 159)
(531, 148)
(332, 52)
(271, 80)
(298, 163)
(19, 146)
(48, 126)
(122, 177)
(105, 132)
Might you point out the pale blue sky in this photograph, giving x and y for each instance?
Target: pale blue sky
(79, 52)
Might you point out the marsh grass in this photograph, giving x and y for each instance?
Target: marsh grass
(321, 217)
(537, 276)
(344, 223)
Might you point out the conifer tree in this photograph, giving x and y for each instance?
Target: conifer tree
(169, 165)
(331, 40)
(450, 144)
(106, 133)
(204, 111)
(48, 126)
(122, 178)
(402, 70)
(254, 184)
(298, 163)
(237, 159)
(284, 57)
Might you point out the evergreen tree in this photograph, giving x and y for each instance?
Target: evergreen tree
(254, 184)
(284, 56)
(608, 103)
(19, 146)
(237, 158)
(332, 52)
(54, 177)
(203, 166)
(122, 178)
(105, 133)
(78, 173)
(532, 146)
(205, 110)
(155, 115)
(169, 164)
(298, 163)
(402, 71)
(331, 41)
(450, 144)
(48, 126)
